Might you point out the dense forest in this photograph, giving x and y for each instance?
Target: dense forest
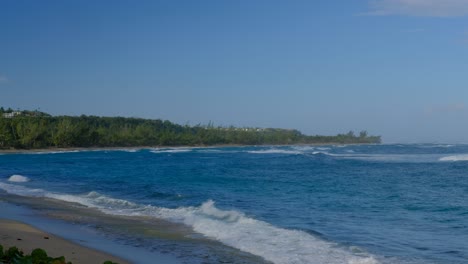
(35, 129)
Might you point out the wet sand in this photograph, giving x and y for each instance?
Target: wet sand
(28, 238)
(138, 239)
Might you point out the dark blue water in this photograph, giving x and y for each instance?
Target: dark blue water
(295, 204)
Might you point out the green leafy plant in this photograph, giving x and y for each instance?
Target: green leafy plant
(38, 256)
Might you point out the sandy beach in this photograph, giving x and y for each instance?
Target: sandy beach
(27, 238)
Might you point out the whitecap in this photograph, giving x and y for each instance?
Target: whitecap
(462, 157)
(53, 152)
(275, 151)
(18, 178)
(323, 148)
(322, 152)
(304, 148)
(130, 150)
(233, 228)
(171, 150)
(260, 238)
(405, 158)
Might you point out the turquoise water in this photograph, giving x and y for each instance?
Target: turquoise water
(288, 204)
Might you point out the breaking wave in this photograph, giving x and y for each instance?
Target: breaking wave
(275, 151)
(462, 157)
(52, 152)
(233, 228)
(130, 150)
(172, 150)
(18, 178)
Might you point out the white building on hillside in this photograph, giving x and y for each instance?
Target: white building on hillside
(12, 114)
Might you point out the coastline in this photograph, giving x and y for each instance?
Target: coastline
(136, 239)
(136, 148)
(149, 235)
(63, 224)
(27, 238)
(123, 196)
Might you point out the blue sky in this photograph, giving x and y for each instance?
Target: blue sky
(396, 68)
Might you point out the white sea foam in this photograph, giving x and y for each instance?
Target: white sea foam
(171, 150)
(230, 227)
(54, 152)
(131, 150)
(436, 146)
(18, 178)
(303, 148)
(21, 190)
(275, 244)
(275, 151)
(323, 148)
(403, 158)
(446, 146)
(406, 158)
(208, 150)
(461, 157)
(323, 153)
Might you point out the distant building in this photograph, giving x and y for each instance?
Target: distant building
(12, 114)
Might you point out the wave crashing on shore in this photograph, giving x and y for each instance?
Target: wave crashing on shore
(230, 227)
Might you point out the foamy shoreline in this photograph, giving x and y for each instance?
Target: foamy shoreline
(136, 148)
(33, 219)
(54, 150)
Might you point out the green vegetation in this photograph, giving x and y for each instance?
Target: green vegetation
(38, 256)
(34, 129)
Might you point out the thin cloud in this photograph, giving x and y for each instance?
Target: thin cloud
(465, 37)
(414, 30)
(3, 79)
(428, 8)
(446, 109)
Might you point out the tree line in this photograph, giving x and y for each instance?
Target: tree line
(34, 129)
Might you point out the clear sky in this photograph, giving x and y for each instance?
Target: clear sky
(396, 68)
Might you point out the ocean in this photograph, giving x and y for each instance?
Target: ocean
(351, 204)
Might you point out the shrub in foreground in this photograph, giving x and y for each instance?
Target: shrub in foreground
(38, 256)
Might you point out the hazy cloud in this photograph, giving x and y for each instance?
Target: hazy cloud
(444, 109)
(465, 37)
(433, 8)
(414, 30)
(3, 79)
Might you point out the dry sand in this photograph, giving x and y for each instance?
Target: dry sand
(28, 238)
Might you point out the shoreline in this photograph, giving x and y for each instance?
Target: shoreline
(136, 239)
(70, 149)
(72, 233)
(27, 238)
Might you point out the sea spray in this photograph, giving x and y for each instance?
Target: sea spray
(233, 228)
(383, 199)
(278, 245)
